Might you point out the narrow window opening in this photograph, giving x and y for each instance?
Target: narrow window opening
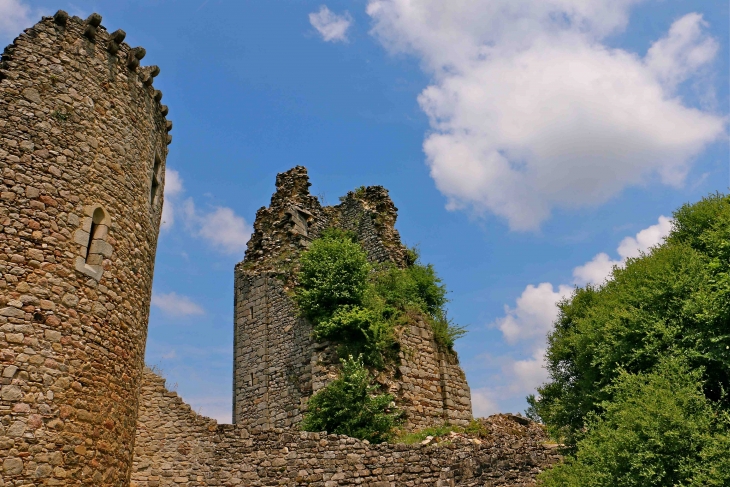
(250, 313)
(96, 220)
(94, 226)
(251, 378)
(155, 181)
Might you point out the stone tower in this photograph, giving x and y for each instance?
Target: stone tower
(83, 142)
(277, 364)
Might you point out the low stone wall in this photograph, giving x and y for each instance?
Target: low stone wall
(177, 447)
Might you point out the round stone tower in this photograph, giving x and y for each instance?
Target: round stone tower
(83, 142)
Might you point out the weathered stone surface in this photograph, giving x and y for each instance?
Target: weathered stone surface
(176, 446)
(278, 366)
(78, 131)
(81, 129)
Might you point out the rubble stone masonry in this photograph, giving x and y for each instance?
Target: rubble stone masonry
(83, 142)
(177, 447)
(277, 364)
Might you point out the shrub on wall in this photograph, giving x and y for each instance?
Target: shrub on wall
(350, 405)
(358, 305)
(333, 273)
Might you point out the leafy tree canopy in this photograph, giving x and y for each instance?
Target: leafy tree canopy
(658, 430)
(670, 306)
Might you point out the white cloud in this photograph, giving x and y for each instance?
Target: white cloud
(173, 183)
(685, 49)
(173, 188)
(530, 111)
(221, 227)
(15, 16)
(332, 27)
(645, 239)
(534, 313)
(176, 305)
(535, 310)
(529, 373)
(482, 403)
(596, 270)
(525, 326)
(600, 267)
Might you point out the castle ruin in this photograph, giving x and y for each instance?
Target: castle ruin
(83, 143)
(277, 364)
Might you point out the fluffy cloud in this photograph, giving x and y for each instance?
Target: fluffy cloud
(482, 403)
(600, 267)
(175, 305)
(534, 313)
(332, 27)
(683, 51)
(220, 226)
(14, 17)
(173, 188)
(525, 326)
(530, 111)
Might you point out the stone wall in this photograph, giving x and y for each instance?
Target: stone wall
(431, 386)
(177, 447)
(83, 142)
(273, 349)
(277, 364)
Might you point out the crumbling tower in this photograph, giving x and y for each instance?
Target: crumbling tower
(83, 142)
(277, 364)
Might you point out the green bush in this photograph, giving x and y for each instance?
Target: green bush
(347, 323)
(351, 406)
(360, 332)
(658, 430)
(333, 273)
(358, 306)
(415, 286)
(674, 301)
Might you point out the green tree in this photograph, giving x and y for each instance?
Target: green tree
(351, 405)
(658, 430)
(674, 301)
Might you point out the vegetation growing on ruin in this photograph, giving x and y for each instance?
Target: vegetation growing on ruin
(640, 366)
(351, 405)
(359, 305)
(441, 432)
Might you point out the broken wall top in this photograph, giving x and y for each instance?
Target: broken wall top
(295, 218)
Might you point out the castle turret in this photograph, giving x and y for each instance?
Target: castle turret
(83, 142)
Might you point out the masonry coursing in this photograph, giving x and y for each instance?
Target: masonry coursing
(83, 143)
(277, 363)
(81, 132)
(177, 447)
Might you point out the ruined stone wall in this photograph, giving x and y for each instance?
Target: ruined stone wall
(83, 142)
(277, 364)
(272, 352)
(431, 385)
(177, 447)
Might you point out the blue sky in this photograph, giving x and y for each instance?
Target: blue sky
(529, 146)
